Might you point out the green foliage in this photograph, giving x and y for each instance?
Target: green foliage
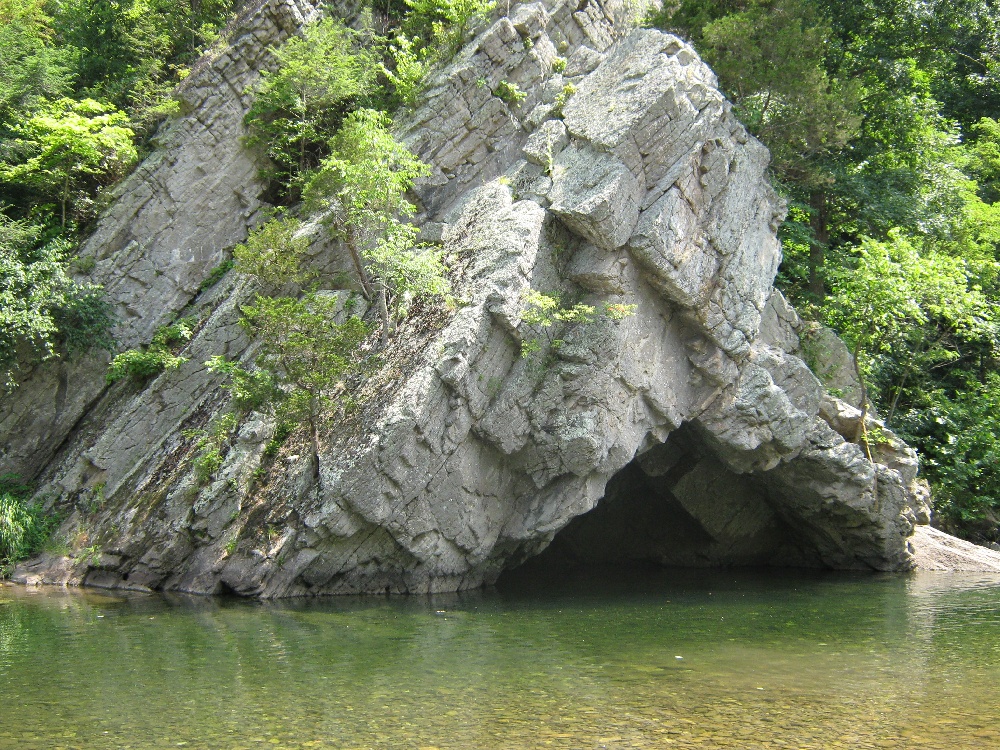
(956, 435)
(211, 444)
(281, 434)
(32, 68)
(771, 59)
(409, 66)
(24, 526)
(407, 269)
(444, 24)
(303, 359)
(559, 65)
(509, 92)
(42, 309)
(251, 389)
(542, 313)
(895, 298)
(142, 365)
(562, 97)
(68, 150)
(361, 188)
(321, 76)
(308, 353)
(216, 274)
(984, 158)
(273, 252)
(131, 52)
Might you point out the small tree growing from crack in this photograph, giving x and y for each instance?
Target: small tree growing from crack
(542, 314)
(304, 354)
(361, 189)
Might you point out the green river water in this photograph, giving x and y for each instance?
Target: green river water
(672, 659)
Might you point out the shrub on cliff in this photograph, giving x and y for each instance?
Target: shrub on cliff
(43, 310)
(321, 76)
(361, 189)
(24, 526)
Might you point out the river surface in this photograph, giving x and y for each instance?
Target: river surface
(672, 659)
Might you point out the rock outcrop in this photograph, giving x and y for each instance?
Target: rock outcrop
(693, 426)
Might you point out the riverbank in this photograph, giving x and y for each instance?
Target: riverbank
(935, 550)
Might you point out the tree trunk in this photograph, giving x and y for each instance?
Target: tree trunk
(314, 435)
(861, 435)
(818, 220)
(359, 266)
(383, 312)
(65, 198)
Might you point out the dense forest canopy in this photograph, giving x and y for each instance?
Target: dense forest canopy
(882, 116)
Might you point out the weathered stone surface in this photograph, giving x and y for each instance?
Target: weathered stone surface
(935, 550)
(596, 196)
(690, 432)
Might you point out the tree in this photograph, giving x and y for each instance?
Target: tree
(304, 354)
(308, 354)
(32, 68)
(321, 75)
(130, 52)
(955, 431)
(444, 23)
(69, 150)
(273, 253)
(361, 189)
(881, 303)
(41, 306)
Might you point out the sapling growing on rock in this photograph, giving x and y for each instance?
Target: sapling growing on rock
(296, 109)
(361, 190)
(541, 314)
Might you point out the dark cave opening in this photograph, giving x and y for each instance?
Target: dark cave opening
(675, 505)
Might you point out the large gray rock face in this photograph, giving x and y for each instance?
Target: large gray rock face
(695, 415)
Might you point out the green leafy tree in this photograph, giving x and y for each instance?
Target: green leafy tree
(955, 431)
(544, 315)
(410, 63)
(131, 52)
(303, 360)
(69, 150)
(140, 365)
(273, 252)
(304, 355)
(32, 67)
(883, 302)
(42, 309)
(321, 76)
(361, 189)
(445, 23)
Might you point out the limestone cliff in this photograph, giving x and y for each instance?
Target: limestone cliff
(692, 429)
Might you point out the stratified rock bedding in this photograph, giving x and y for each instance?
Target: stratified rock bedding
(696, 419)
